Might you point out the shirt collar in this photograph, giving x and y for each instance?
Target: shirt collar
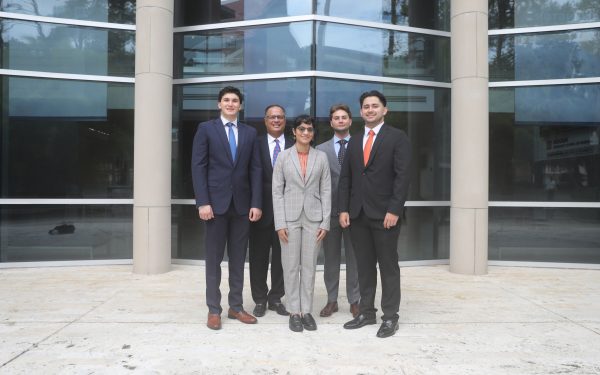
(225, 121)
(375, 129)
(336, 139)
(271, 139)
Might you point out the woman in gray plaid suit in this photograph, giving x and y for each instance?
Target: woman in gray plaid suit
(301, 208)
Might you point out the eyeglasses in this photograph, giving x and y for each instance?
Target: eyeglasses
(275, 117)
(303, 129)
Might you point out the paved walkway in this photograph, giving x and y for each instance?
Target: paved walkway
(106, 320)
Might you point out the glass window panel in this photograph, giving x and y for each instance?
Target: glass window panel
(67, 49)
(35, 233)
(573, 54)
(525, 13)
(194, 12)
(66, 139)
(423, 113)
(265, 49)
(544, 143)
(362, 50)
(198, 103)
(424, 234)
(428, 14)
(114, 11)
(564, 235)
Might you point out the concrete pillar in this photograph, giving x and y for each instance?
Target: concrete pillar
(152, 142)
(470, 137)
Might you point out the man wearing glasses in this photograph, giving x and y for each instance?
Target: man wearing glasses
(263, 238)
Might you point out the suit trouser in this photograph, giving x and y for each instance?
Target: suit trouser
(332, 249)
(299, 261)
(264, 240)
(231, 229)
(374, 244)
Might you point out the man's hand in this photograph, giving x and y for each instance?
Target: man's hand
(205, 212)
(344, 219)
(283, 235)
(390, 220)
(255, 214)
(321, 233)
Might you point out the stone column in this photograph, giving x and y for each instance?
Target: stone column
(152, 142)
(470, 137)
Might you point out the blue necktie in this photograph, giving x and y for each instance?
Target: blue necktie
(232, 145)
(276, 151)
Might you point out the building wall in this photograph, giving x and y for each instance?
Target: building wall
(66, 137)
(544, 127)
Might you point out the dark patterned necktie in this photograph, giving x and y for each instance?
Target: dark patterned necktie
(342, 151)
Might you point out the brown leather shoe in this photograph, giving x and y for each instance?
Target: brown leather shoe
(354, 310)
(214, 321)
(242, 316)
(329, 309)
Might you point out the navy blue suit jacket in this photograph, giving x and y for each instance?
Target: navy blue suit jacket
(217, 178)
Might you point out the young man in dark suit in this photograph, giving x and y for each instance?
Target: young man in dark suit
(373, 188)
(263, 238)
(226, 173)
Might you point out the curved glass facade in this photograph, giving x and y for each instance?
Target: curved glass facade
(544, 147)
(299, 47)
(426, 14)
(507, 14)
(66, 154)
(113, 11)
(554, 55)
(56, 48)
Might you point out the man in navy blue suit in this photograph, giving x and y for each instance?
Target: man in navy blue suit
(226, 173)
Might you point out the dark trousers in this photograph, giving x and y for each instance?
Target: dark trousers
(231, 229)
(373, 244)
(264, 242)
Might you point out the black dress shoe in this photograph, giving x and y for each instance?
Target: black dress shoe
(296, 323)
(279, 308)
(388, 328)
(308, 322)
(260, 309)
(360, 321)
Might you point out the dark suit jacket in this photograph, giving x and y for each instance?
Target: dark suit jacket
(382, 185)
(217, 178)
(262, 146)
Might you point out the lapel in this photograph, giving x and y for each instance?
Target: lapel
(266, 154)
(220, 129)
(333, 158)
(312, 157)
(296, 162)
(241, 142)
(377, 143)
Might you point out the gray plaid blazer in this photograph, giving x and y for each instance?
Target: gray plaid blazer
(292, 193)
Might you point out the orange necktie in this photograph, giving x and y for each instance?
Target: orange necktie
(368, 145)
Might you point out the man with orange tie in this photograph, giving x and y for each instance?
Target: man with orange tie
(372, 191)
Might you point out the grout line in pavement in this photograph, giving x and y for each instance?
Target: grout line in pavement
(66, 324)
